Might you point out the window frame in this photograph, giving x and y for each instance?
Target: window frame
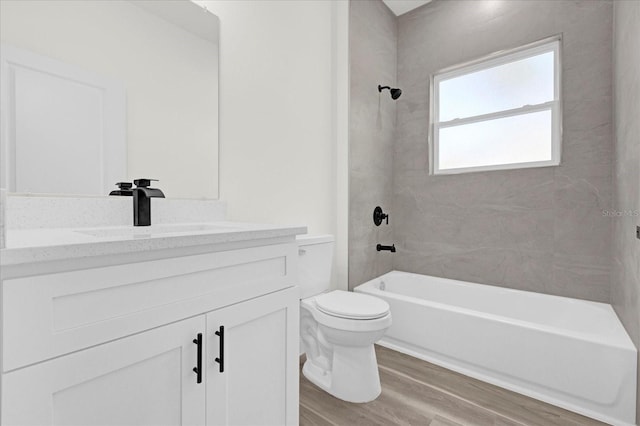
(550, 44)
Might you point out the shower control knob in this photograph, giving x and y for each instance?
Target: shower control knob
(379, 216)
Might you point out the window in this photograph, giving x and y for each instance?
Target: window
(499, 112)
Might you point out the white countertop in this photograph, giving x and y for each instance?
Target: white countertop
(41, 245)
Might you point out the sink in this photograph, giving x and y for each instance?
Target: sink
(159, 230)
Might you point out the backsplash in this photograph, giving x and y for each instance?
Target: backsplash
(32, 212)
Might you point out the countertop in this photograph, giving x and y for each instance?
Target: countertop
(25, 246)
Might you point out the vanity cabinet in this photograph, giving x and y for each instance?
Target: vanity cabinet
(118, 344)
(250, 384)
(146, 378)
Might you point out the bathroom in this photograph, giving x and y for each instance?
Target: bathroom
(304, 139)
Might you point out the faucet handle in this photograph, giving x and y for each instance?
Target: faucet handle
(124, 185)
(144, 182)
(379, 216)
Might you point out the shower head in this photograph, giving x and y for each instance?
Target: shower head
(395, 93)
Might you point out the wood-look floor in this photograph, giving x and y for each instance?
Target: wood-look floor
(415, 392)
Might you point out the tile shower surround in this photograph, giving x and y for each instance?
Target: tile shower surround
(539, 229)
(372, 124)
(625, 287)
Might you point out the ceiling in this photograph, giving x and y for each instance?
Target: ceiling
(400, 7)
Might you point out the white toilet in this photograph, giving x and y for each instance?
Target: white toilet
(337, 328)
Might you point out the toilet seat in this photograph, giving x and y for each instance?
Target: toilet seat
(346, 324)
(349, 305)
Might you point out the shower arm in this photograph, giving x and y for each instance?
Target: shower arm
(395, 93)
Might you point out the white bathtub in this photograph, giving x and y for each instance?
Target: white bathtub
(571, 353)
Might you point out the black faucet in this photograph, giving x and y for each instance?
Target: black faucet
(142, 196)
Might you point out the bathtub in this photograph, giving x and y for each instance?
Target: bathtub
(571, 353)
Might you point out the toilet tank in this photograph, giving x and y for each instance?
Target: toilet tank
(315, 258)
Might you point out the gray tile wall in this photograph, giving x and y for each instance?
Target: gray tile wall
(372, 126)
(536, 229)
(626, 248)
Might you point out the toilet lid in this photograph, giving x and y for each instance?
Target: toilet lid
(347, 304)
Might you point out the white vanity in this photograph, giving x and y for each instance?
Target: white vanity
(101, 325)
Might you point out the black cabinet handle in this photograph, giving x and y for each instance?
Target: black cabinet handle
(220, 359)
(198, 369)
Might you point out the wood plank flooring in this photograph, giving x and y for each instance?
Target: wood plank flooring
(415, 392)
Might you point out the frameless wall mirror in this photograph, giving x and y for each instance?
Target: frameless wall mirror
(96, 92)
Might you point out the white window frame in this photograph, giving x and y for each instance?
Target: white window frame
(551, 44)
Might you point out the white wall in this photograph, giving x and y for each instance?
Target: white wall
(282, 97)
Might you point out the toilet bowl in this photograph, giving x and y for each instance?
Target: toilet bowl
(341, 358)
(338, 328)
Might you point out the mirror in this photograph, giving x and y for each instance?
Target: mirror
(96, 92)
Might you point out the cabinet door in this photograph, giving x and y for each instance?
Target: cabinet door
(144, 379)
(259, 382)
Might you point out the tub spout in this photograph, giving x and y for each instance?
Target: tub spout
(391, 248)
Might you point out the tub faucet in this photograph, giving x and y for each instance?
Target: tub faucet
(391, 248)
(142, 196)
